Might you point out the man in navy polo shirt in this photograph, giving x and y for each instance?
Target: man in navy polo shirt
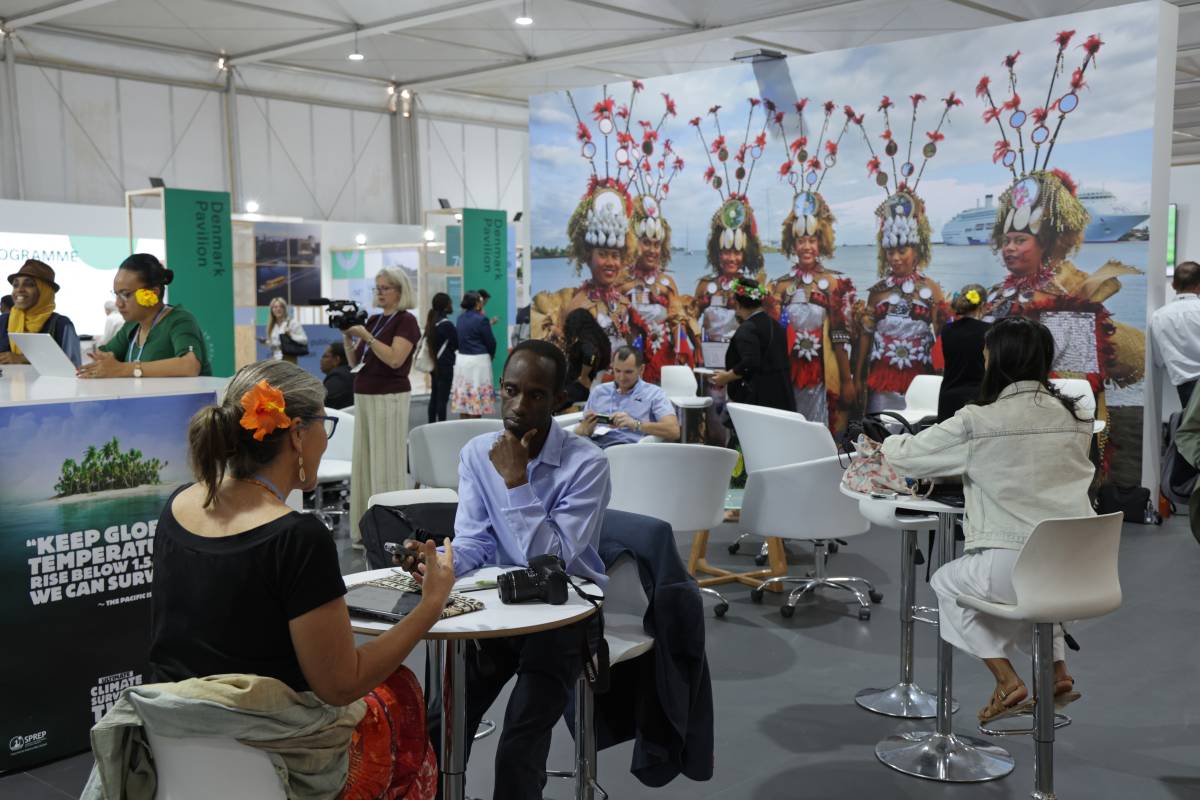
(627, 408)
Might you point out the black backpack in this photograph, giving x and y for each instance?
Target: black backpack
(1178, 478)
(420, 521)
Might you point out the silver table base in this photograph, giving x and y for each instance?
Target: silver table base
(940, 754)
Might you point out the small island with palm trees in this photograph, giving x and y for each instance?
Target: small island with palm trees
(106, 468)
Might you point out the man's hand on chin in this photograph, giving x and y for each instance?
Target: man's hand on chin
(510, 457)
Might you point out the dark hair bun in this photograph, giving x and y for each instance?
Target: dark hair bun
(149, 269)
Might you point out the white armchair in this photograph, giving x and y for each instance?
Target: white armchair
(802, 502)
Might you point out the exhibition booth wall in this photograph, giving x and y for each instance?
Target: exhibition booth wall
(1057, 128)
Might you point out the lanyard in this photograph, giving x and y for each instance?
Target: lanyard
(262, 480)
(129, 355)
(380, 325)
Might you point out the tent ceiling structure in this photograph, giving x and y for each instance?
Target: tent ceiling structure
(473, 49)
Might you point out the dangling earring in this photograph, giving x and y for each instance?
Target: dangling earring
(303, 477)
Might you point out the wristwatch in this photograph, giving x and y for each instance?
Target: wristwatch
(137, 369)
(639, 426)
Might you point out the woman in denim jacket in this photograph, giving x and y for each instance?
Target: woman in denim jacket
(1022, 452)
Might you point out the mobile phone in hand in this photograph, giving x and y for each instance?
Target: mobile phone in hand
(604, 419)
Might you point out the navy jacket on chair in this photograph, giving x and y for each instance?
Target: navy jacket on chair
(663, 699)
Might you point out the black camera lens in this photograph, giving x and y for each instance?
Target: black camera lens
(518, 586)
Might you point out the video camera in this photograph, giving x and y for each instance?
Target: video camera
(343, 314)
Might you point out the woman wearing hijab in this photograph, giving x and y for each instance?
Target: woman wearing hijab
(33, 295)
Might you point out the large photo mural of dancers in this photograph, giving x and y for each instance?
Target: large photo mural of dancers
(870, 191)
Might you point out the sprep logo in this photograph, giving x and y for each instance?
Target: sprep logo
(29, 741)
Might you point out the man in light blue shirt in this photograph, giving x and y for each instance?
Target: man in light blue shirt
(529, 490)
(627, 408)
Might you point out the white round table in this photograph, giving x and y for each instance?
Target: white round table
(940, 754)
(494, 621)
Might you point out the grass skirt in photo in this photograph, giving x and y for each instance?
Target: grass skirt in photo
(473, 391)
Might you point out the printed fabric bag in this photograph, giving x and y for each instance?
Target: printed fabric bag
(870, 473)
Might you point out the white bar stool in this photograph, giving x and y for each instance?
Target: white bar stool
(1066, 570)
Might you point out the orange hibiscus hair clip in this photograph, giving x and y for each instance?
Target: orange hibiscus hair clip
(265, 410)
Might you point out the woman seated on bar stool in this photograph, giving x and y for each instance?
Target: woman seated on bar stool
(1022, 452)
(243, 584)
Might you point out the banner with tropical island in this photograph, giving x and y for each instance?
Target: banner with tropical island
(83, 487)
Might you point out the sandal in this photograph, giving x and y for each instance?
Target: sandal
(1004, 704)
(1064, 692)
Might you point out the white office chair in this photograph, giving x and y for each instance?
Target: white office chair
(803, 502)
(336, 468)
(770, 437)
(408, 497)
(433, 449)
(1081, 391)
(680, 384)
(921, 399)
(684, 485)
(1067, 570)
(195, 768)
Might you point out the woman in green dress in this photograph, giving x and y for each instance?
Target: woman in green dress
(157, 340)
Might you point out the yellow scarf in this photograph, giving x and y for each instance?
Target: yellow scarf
(33, 320)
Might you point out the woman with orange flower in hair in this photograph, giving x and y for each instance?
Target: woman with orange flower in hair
(812, 301)
(670, 334)
(906, 309)
(250, 591)
(601, 240)
(1040, 223)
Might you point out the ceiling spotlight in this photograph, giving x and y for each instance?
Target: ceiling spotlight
(458, 217)
(360, 239)
(391, 89)
(356, 55)
(429, 235)
(405, 93)
(251, 206)
(222, 63)
(524, 19)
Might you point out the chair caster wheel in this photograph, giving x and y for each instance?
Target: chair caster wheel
(833, 547)
(756, 595)
(760, 560)
(864, 614)
(876, 597)
(733, 548)
(787, 611)
(721, 609)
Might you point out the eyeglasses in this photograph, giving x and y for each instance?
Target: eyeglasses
(126, 296)
(382, 289)
(329, 422)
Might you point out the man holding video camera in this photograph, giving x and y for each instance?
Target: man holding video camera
(627, 408)
(528, 492)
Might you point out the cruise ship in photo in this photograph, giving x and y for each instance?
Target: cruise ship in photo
(1110, 221)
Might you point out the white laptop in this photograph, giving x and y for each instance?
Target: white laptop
(44, 354)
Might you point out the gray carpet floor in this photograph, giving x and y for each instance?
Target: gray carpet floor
(787, 725)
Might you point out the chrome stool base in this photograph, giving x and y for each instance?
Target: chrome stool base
(904, 700)
(944, 757)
